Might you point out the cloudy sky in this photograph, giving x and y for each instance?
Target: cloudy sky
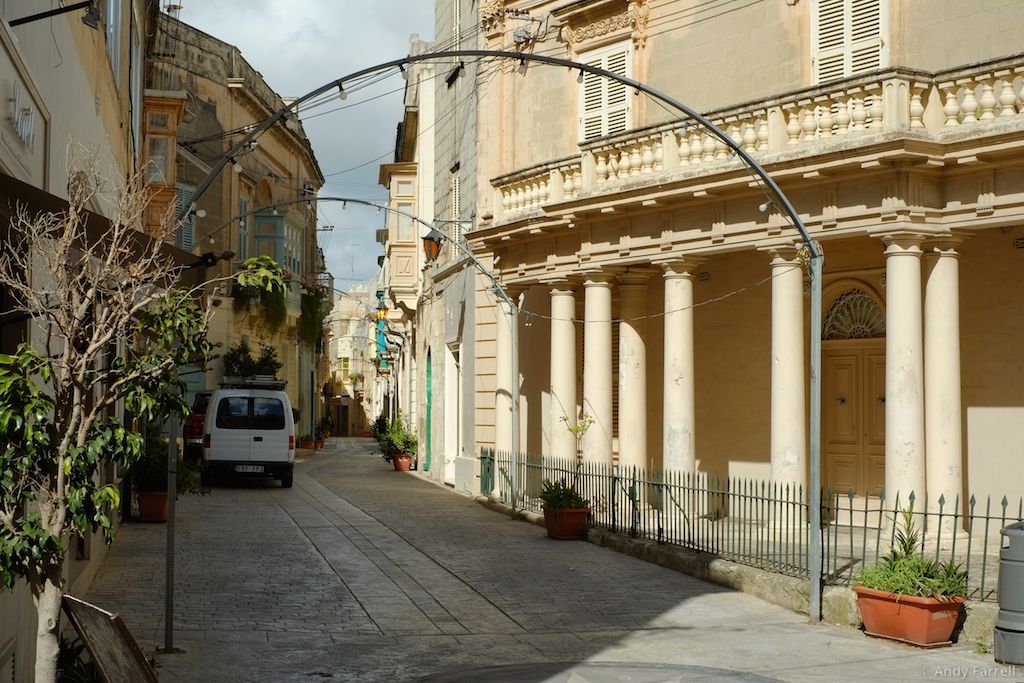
(299, 45)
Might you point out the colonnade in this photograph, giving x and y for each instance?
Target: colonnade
(922, 401)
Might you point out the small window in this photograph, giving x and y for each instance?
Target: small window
(404, 188)
(233, 413)
(405, 222)
(267, 413)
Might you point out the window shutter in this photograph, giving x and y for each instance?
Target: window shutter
(243, 228)
(865, 36)
(185, 237)
(848, 37)
(604, 103)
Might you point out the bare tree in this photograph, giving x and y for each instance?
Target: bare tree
(109, 323)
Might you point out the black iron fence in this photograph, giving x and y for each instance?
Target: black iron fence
(763, 523)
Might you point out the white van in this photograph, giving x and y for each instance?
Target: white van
(249, 432)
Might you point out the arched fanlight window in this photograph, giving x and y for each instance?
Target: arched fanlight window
(854, 315)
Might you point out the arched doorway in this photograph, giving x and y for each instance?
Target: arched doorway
(853, 392)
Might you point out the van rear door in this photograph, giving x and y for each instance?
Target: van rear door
(231, 437)
(269, 428)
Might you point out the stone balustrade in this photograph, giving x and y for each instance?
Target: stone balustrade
(890, 100)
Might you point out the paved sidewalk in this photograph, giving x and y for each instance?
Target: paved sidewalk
(359, 573)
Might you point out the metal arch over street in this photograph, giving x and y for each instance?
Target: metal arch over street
(815, 265)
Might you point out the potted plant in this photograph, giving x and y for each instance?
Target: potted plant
(398, 445)
(149, 477)
(306, 441)
(565, 510)
(908, 597)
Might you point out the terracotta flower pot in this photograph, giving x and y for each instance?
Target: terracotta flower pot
(402, 462)
(305, 443)
(152, 506)
(928, 622)
(318, 443)
(569, 523)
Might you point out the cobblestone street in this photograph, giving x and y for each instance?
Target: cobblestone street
(360, 573)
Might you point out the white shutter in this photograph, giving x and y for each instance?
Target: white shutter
(848, 37)
(865, 35)
(185, 237)
(604, 104)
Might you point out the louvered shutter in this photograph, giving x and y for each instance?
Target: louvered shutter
(185, 234)
(604, 103)
(865, 35)
(243, 228)
(848, 37)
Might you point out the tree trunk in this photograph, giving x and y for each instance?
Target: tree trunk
(47, 642)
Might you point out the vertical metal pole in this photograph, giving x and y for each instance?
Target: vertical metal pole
(814, 497)
(172, 489)
(513, 320)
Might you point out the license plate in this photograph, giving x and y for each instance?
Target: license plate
(249, 468)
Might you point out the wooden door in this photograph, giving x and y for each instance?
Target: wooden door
(853, 412)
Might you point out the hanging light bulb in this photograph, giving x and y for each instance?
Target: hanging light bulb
(579, 79)
(405, 74)
(236, 167)
(462, 69)
(342, 95)
(522, 66)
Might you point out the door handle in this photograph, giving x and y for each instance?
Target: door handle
(257, 438)
(841, 401)
(881, 400)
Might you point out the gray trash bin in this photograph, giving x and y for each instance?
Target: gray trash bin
(1008, 645)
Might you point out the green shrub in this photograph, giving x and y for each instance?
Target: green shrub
(907, 572)
(557, 495)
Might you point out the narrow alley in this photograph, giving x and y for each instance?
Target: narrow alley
(359, 573)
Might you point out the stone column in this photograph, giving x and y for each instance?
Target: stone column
(904, 377)
(597, 367)
(788, 405)
(678, 428)
(563, 410)
(633, 371)
(942, 404)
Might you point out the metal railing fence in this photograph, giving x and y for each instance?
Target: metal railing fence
(764, 523)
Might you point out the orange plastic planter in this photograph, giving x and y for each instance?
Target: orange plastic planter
(926, 622)
(152, 506)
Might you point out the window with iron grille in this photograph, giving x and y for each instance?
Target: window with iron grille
(455, 189)
(848, 37)
(605, 104)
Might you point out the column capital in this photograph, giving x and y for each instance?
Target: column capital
(946, 245)
(788, 252)
(681, 266)
(634, 277)
(902, 241)
(603, 277)
(561, 283)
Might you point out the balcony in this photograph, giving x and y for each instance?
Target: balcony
(944, 107)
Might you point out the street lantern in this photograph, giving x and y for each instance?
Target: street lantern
(432, 245)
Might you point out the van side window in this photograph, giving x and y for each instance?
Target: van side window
(233, 413)
(267, 413)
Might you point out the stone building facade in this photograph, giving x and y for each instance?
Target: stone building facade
(662, 291)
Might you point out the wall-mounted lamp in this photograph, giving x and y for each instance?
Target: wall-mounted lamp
(432, 245)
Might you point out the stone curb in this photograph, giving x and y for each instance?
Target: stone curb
(838, 603)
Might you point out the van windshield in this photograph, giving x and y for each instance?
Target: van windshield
(240, 412)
